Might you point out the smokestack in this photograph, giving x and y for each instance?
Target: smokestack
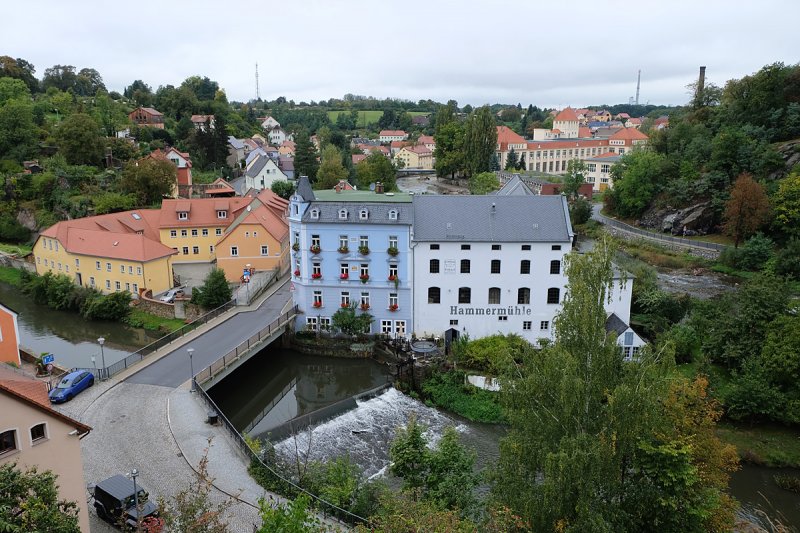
(378, 187)
(701, 85)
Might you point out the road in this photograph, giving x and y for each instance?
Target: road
(173, 369)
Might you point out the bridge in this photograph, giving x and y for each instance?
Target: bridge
(403, 172)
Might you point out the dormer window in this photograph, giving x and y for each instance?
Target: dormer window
(222, 214)
(183, 215)
(363, 214)
(342, 214)
(393, 215)
(315, 214)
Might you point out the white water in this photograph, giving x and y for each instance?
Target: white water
(366, 432)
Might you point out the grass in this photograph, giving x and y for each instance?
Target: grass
(140, 319)
(18, 249)
(12, 276)
(368, 117)
(448, 391)
(767, 445)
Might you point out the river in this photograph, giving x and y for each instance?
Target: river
(68, 336)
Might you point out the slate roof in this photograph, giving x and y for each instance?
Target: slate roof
(235, 143)
(515, 187)
(491, 218)
(257, 166)
(304, 189)
(378, 213)
(615, 324)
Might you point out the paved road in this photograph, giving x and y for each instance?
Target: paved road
(173, 369)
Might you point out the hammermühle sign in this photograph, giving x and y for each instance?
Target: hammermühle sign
(511, 310)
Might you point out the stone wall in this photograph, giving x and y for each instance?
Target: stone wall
(332, 347)
(13, 262)
(669, 245)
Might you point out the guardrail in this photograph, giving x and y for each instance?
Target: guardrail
(327, 508)
(223, 362)
(659, 236)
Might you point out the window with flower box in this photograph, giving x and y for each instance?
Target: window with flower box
(344, 271)
(317, 299)
(364, 301)
(393, 301)
(345, 299)
(316, 270)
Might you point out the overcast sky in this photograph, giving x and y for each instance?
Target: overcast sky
(552, 54)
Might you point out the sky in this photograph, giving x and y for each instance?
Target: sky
(550, 54)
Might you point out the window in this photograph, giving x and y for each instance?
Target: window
(524, 296)
(494, 296)
(502, 318)
(364, 299)
(130, 269)
(524, 267)
(314, 214)
(465, 265)
(344, 270)
(556, 247)
(392, 241)
(342, 214)
(434, 246)
(136, 289)
(393, 270)
(218, 232)
(91, 281)
(343, 242)
(466, 247)
(195, 250)
(495, 269)
(400, 327)
(555, 267)
(454, 322)
(544, 325)
(434, 266)
(38, 432)
(108, 284)
(311, 323)
(46, 262)
(108, 267)
(527, 325)
(317, 298)
(185, 250)
(205, 232)
(264, 249)
(393, 300)
(59, 266)
(173, 233)
(8, 441)
(345, 299)
(628, 338)
(128, 287)
(117, 285)
(316, 270)
(211, 248)
(495, 247)
(194, 233)
(553, 295)
(363, 214)
(434, 295)
(464, 295)
(122, 269)
(364, 270)
(325, 323)
(392, 214)
(386, 327)
(222, 214)
(363, 241)
(139, 270)
(315, 240)
(234, 251)
(184, 233)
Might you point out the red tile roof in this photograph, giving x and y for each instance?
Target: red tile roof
(426, 139)
(629, 134)
(506, 135)
(201, 118)
(203, 212)
(584, 132)
(392, 133)
(566, 115)
(357, 158)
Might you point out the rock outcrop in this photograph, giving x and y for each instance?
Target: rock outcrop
(697, 219)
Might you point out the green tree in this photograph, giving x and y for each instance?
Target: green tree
(511, 160)
(574, 179)
(410, 455)
(376, 167)
(214, 292)
(305, 156)
(21, 70)
(449, 151)
(80, 139)
(88, 82)
(18, 133)
(331, 170)
(29, 502)
(483, 183)
(295, 516)
(480, 140)
(149, 179)
(787, 205)
(348, 321)
(140, 93)
(282, 188)
(636, 181)
(13, 89)
(388, 119)
(62, 77)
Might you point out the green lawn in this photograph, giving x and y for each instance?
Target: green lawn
(19, 249)
(12, 276)
(774, 446)
(140, 319)
(368, 117)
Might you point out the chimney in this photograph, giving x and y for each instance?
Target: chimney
(701, 86)
(338, 187)
(378, 187)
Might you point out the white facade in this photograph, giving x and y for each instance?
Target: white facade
(276, 136)
(270, 123)
(513, 300)
(265, 176)
(392, 135)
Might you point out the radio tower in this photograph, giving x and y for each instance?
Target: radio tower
(258, 92)
(638, 82)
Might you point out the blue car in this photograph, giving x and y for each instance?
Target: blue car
(70, 385)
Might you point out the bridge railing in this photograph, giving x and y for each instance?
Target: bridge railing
(226, 360)
(660, 236)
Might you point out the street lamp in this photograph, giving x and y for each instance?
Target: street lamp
(191, 368)
(102, 341)
(134, 474)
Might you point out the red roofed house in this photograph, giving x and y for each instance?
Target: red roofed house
(9, 336)
(147, 116)
(508, 139)
(428, 141)
(633, 123)
(567, 121)
(357, 158)
(418, 156)
(200, 122)
(386, 136)
(33, 434)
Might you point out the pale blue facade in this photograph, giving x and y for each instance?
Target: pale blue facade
(331, 276)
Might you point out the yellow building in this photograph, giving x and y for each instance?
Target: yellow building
(419, 156)
(115, 252)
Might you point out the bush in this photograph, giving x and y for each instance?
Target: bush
(114, 306)
(214, 292)
(787, 260)
(449, 391)
(753, 254)
(13, 231)
(580, 211)
(752, 397)
(686, 341)
(493, 353)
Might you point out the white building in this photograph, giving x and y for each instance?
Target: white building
(277, 135)
(269, 123)
(598, 170)
(386, 136)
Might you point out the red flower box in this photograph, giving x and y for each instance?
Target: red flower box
(316, 275)
(364, 278)
(317, 304)
(393, 308)
(344, 276)
(315, 249)
(297, 273)
(364, 307)
(344, 305)
(392, 278)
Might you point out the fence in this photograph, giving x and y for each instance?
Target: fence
(260, 282)
(660, 236)
(325, 506)
(223, 362)
(141, 353)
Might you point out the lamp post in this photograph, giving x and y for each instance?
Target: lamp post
(134, 474)
(191, 368)
(101, 341)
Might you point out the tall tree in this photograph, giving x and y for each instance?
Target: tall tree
(19, 69)
(747, 209)
(88, 82)
(574, 178)
(305, 156)
(376, 167)
(13, 89)
(80, 139)
(480, 140)
(139, 92)
(150, 179)
(62, 77)
(449, 151)
(787, 204)
(29, 502)
(331, 170)
(511, 160)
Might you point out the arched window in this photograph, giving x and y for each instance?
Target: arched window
(555, 267)
(434, 295)
(524, 296)
(314, 213)
(434, 266)
(464, 295)
(363, 214)
(494, 296)
(553, 295)
(392, 214)
(525, 266)
(342, 214)
(495, 266)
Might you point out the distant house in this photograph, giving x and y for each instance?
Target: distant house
(396, 146)
(387, 136)
(419, 156)
(357, 158)
(598, 170)
(183, 163)
(147, 116)
(286, 164)
(219, 188)
(622, 116)
(661, 122)
(9, 336)
(33, 434)
(201, 121)
(420, 120)
(428, 141)
(628, 340)
(269, 123)
(277, 135)
(260, 174)
(633, 123)
(287, 147)
(236, 152)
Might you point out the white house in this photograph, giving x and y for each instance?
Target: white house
(627, 339)
(260, 174)
(277, 136)
(268, 123)
(387, 136)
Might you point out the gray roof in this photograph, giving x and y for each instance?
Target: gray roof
(491, 218)
(515, 187)
(304, 189)
(615, 324)
(238, 185)
(235, 143)
(253, 154)
(378, 213)
(257, 166)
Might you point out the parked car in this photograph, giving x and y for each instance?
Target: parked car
(115, 503)
(170, 295)
(70, 385)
